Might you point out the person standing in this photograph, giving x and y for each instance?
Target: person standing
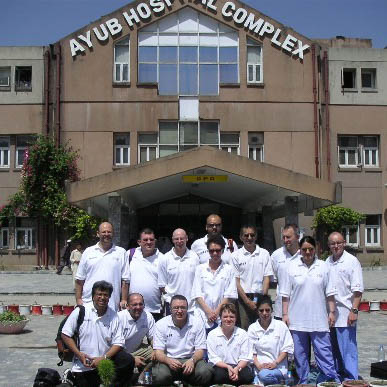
(253, 269)
(75, 258)
(176, 270)
(213, 227)
(103, 261)
(64, 257)
(281, 258)
(349, 284)
(143, 276)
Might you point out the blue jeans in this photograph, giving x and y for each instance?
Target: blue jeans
(266, 376)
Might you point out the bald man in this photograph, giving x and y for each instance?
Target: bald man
(213, 227)
(348, 274)
(103, 261)
(176, 270)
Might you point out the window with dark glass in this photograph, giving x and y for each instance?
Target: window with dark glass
(256, 146)
(348, 78)
(4, 152)
(368, 78)
(23, 78)
(5, 78)
(122, 149)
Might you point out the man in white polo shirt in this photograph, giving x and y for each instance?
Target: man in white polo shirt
(103, 261)
(253, 269)
(143, 276)
(100, 337)
(176, 270)
(179, 344)
(349, 285)
(136, 325)
(281, 258)
(213, 227)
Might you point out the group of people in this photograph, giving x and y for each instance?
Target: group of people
(203, 315)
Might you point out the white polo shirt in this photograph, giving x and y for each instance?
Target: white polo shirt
(96, 334)
(179, 343)
(267, 345)
(97, 265)
(230, 351)
(200, 248)
(135, 331)
(213, 287)
(349, 279)
(176, 274)
(308, 289)
(144, 280)
(251, 268)
(279, 261)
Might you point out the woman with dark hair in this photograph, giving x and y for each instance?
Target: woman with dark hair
(229, 350)
(307, 290)
(271, 342)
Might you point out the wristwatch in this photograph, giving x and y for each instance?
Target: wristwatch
(355, 310)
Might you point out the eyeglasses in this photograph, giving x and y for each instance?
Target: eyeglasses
(213, 251)
(252, 235)
(175, 308)
(211, 225)
(336, 243)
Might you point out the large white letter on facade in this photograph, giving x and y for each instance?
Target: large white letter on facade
(144, 11)
(157, 6)
(75, 46)
(251, 25)
(114, 26)
(227, 5)
(300, 50)
(133, 16)
(100, 37)
(267, 27)
(86, 39)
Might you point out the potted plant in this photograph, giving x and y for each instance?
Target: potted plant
(11, 322)
(106, 371)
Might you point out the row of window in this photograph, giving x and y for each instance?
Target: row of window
(22, 78)
(367, 81)
(358, 151)
(174, 136)
(22, 143)
(24, 235)
(371, 232)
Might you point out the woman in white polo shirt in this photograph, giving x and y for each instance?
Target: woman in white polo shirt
(307, 290)
(229, 350)
(272, 342)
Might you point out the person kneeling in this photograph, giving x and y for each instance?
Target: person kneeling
(229, 350)
(179, 343)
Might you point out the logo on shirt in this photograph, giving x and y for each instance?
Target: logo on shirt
(106, 325)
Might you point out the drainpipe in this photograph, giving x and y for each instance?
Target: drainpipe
(58, 80)
(316, 156)
(47, 90)
(327, 126)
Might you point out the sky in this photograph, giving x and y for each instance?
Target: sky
(41, 22)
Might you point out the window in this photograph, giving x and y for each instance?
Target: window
(25, 233)
(4, 237)
(351, 235)
(348, 79)
(256, 146)
(23, 78)
(121, 61)
(254, 62)
(4, 152)
(5, 78)
(230, 142)
(357, 151)
(368, 78)
(147, 147)
(372, 230)
(188, 54)
(22, 143)
(122, 149)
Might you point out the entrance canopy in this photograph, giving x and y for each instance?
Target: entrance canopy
(206, 172)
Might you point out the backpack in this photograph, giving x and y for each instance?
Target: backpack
(47, 377)
(64, 353)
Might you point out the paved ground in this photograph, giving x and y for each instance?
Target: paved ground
(21, 355)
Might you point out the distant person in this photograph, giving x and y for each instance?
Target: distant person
(100, 337)
(164, 244)
(75, 259)
(103, 261)
(64, 257)
(176, 270)
(213, 227)
(349, 284)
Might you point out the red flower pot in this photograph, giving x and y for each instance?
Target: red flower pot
(364, 306)
(57, 310)
(36, 310)
(383, 305)
(13, 308)
(67, 309)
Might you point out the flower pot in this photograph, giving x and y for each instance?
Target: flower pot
(364, 306)
(3, 308)
(24, 309)
(357, 383)
(11, 327)
(377, 383)
(36, 310)
(374, 306)
(67, 309)
(46, 309)
(328, 384)
(383, 305)
(14, 308)
(57, 310)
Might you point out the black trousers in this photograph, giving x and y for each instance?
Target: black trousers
(246, 376)
(124, 365)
